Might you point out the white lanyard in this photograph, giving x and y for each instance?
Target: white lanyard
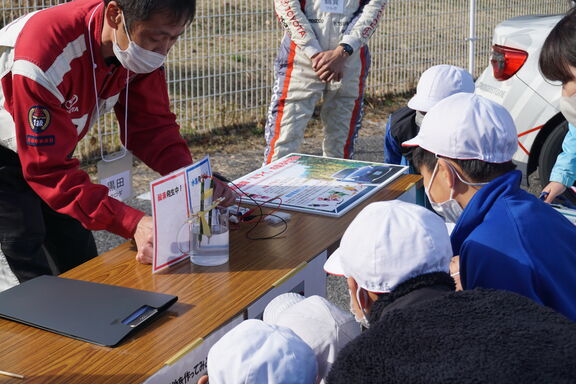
(124, 147)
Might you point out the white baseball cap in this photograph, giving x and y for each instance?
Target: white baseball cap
(322, 325)
(437, 83)
(257, 352)
(466, 126)
(279, 304)
(390, 242)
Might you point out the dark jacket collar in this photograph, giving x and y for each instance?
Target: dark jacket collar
(412, 292)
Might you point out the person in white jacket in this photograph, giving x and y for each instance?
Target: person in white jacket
(323, 53)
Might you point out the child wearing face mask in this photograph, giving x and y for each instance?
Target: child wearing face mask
(393, 254)
(506, 238)
(558, 63)
(435, 84)
(464, 337)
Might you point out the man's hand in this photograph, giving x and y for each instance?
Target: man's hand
(329, 65)
(553, 189)
(316, 58)
(144, 240)
(221, 189)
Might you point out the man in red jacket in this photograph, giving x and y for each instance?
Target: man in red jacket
(61, 68)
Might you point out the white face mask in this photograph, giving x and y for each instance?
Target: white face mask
(359, 319)
(568, 108)
(450, 209)
(419, 117)
(135, 58)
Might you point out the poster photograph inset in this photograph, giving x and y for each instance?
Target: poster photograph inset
(315, 184)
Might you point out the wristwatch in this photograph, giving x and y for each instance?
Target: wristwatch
(347, 48)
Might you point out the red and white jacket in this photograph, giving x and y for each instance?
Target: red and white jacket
(47, 104)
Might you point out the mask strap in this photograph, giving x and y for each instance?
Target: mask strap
(460, 177)
(125, 28)
(359, 302)
(433, 175)
(124, 147)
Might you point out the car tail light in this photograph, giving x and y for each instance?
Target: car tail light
(506, 61)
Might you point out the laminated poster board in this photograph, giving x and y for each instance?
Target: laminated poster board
(315, 184)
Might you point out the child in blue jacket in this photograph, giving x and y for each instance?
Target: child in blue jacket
(506, 238)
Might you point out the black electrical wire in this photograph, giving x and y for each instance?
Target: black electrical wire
(260, 216)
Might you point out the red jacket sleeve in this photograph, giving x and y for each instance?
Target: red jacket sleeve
(46, 138)
(153, 134)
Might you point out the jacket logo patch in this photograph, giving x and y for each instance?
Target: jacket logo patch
(40, 141)
(39, 118)
(71, 104)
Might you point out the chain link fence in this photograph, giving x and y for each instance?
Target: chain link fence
(220, 72)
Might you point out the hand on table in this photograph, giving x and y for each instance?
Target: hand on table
(553, 189)
(329, 65)
(144, 240)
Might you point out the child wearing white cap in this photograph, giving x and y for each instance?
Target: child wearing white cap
(257, 352)
(322, 325)
(506, 238)
(464, 337)
(393, 254)
(435, 84)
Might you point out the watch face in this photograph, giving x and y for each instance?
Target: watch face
(347, 48)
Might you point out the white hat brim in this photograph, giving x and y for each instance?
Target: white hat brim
(422, 104)
(333, 265)
(413, 142)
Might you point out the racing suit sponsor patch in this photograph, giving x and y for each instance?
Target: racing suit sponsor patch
(291, 18)
(332, 6)
(40, 141)
(38, 118)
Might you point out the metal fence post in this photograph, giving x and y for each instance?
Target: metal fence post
(472, 38)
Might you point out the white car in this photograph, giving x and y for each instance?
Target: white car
(514, 80)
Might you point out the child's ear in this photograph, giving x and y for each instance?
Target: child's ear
(446, 174)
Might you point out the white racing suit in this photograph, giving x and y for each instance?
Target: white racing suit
(297, 88)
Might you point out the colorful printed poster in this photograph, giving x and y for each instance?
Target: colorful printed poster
(315, 184)
(174, 198)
